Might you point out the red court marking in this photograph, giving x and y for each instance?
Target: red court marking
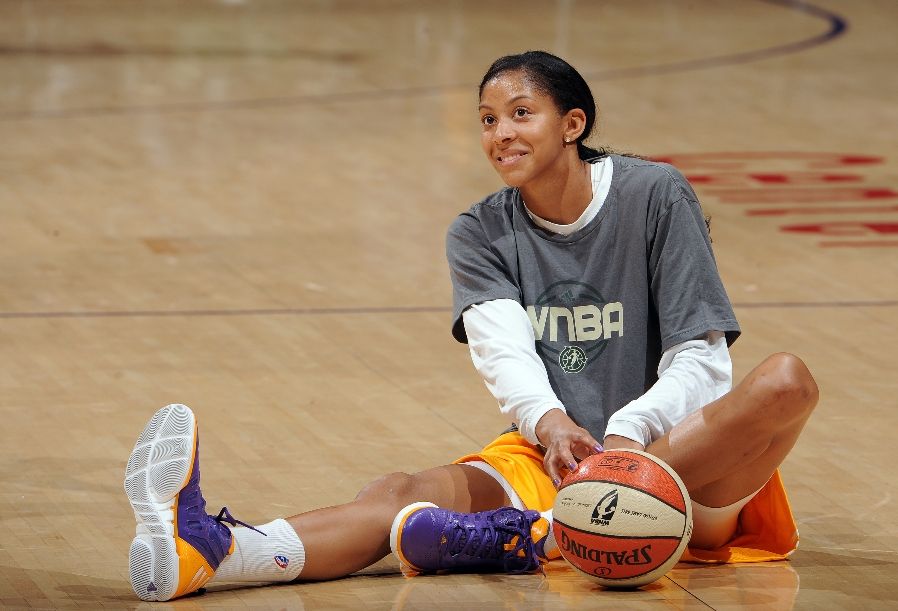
(791, 180)
(821, 210)
(737, 161)
(798, 195)
(844, 228)
(746, 179)
(859, 243)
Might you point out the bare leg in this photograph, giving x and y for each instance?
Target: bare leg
(731, 447)
(347, 538)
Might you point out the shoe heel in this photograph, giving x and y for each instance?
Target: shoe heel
(153, 567)
(406, 567)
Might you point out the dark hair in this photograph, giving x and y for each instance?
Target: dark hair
(559, 80)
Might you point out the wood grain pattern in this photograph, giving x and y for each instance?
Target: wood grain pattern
(240, 205)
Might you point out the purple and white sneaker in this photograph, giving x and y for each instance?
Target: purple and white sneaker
(178, 546)
(427, 539)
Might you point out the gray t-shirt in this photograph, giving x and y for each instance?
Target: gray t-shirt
(608, 299)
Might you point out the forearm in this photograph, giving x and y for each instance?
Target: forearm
(690, 375)
(502, 345)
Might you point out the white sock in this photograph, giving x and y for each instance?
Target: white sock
(279, 556)
(550, 543)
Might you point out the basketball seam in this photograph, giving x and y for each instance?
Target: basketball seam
(642, 490)
(587, 532)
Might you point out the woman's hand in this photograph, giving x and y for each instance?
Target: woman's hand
(565, 443)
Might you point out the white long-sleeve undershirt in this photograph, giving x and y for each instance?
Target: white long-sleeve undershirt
(690, 375)
(502, 344)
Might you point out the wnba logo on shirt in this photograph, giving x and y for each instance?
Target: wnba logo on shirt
(572, 359)
(570, 312)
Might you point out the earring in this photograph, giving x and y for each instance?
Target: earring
(567, 140)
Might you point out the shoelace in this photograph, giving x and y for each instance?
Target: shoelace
(225, 516)
(489, 543)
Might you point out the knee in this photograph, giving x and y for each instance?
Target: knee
(786, 387)
(395, 489)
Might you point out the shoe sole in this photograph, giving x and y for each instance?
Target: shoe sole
(408, 569)
(159, 467)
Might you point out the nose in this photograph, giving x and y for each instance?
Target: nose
(504, 131)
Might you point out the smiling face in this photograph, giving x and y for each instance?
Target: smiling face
(523, 132)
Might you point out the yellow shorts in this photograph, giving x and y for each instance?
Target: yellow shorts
(766, 529)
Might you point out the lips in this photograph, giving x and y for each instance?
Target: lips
(509, 157)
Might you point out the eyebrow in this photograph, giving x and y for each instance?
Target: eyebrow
(511, 101)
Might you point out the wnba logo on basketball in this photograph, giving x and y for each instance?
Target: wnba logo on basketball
(568, 312)
(604, 510)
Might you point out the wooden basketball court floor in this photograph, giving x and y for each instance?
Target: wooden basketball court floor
(240, 205)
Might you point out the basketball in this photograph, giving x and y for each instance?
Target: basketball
(622, 518)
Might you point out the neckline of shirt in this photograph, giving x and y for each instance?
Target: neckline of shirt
(600, 174)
